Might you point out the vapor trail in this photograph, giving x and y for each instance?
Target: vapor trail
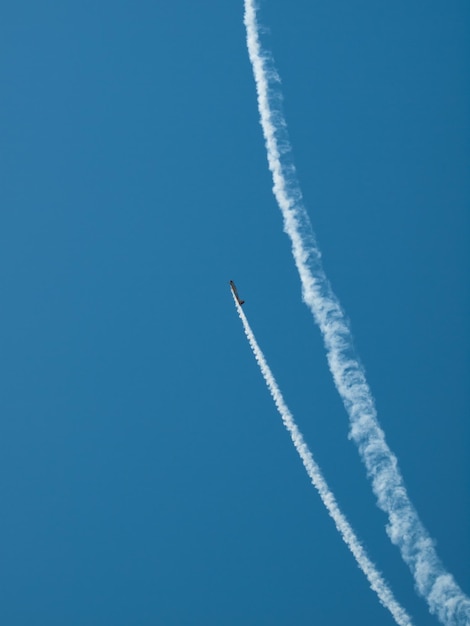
(444, 597)
(374, 577)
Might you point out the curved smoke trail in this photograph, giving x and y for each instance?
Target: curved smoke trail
(374, 577)
(444, 597)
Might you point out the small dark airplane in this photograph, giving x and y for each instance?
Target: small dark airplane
(235, 293)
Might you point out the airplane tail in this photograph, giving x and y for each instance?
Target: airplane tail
(240, 302)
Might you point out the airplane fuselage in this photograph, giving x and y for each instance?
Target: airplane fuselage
(235, 293)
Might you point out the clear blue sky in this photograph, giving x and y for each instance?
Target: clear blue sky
(145, 476)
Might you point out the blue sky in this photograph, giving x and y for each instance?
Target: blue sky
(145, 475)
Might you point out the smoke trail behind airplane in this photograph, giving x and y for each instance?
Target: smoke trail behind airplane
(374, 577)
(444, 597)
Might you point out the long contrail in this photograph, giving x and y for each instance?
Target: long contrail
(374, 577)
(444, 597)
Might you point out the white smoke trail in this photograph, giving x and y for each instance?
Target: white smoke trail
(374, 577)
(444, 597)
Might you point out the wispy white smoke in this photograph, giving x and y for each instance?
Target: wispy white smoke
(444, 597)
(374, 577)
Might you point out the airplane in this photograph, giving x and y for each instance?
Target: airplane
(235, 293)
